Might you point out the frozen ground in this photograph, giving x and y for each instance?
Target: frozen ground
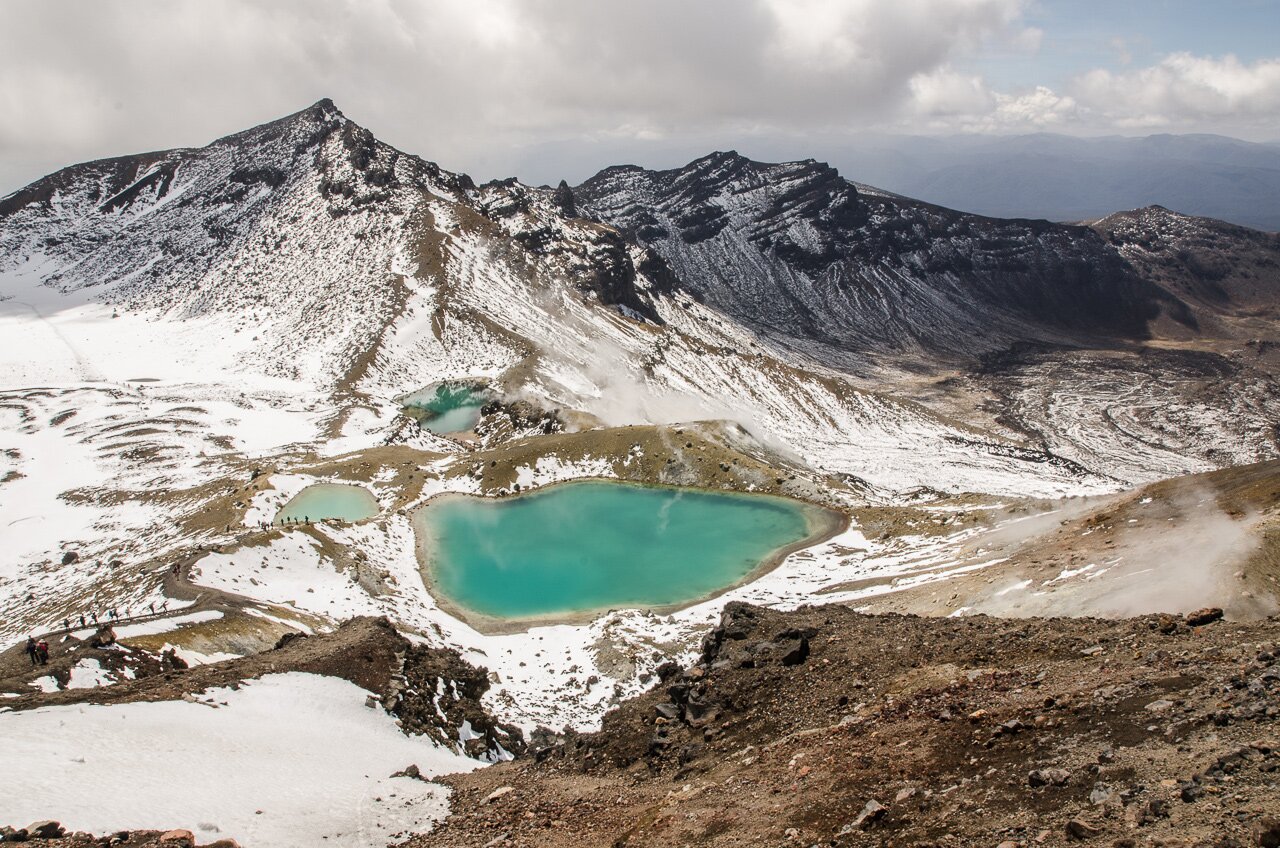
(291, 760)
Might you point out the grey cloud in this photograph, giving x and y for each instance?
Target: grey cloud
(470, 84)
(550, 88)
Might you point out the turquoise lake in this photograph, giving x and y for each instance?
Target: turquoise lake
(589, 546)
(329, 500)
(447, 408)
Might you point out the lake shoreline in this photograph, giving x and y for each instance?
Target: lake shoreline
(822, 523)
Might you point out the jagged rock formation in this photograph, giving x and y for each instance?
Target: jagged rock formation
(431, 690)
(798, 251)
(439, 694)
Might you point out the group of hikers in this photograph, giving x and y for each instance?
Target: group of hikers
(89, 618)
(284, 522)
(38, 651)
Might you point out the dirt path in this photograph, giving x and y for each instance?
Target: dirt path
(16, 671)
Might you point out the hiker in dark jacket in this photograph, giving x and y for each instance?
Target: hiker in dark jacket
(32, 651)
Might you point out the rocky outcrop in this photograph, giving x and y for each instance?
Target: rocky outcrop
(439, 694)
(896, 730)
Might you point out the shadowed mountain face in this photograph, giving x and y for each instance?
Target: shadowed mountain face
(798, 251)
(1222, 270)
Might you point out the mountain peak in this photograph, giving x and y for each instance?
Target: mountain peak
(324, 108)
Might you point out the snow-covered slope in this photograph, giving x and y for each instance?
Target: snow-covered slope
(276, 248)
(172, 323)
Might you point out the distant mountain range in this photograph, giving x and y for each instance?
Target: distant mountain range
(1063, 178)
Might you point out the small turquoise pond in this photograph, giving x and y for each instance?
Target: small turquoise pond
(589, 546)
(447, 408)
(329, 500)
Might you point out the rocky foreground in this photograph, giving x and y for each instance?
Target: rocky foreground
(825, 726)
(828, 727)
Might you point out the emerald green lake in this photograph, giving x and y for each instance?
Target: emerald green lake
(447, 408)
(329, 500)
(589, 546)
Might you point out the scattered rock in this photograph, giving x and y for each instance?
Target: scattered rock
(1204, 616)
(1140, 814)
(1079, 828)
(47, 829)
(1048, 777)
(178, 839)
(871, 813)
(498, 793)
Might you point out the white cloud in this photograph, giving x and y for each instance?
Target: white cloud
(1180, 92)
(1038, 109)
(465, 82)
(945, 93)
(1185, 89)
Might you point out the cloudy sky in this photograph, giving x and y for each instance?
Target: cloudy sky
(545, 88)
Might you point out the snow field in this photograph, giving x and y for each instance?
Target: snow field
(290, 761)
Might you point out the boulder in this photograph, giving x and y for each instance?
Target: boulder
(178, 839)
(1081, 829)
(1204, 616)
(498, 793)
(284, 640)
(104, 637)
(47, 829)
(1048, 777)
(871, 813)
(1267, 832)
